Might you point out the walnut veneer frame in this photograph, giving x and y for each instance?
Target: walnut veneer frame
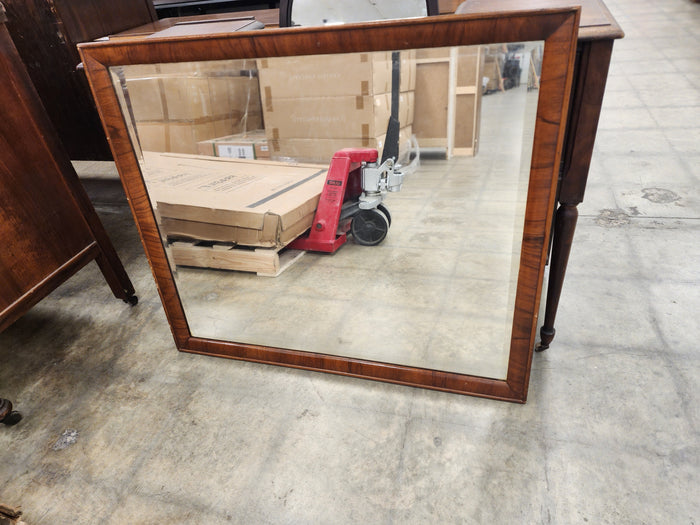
(556, 27)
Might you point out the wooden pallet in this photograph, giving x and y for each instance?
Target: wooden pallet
(267, 262)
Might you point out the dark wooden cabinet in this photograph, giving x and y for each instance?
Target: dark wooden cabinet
(46, 33)
(48, 227)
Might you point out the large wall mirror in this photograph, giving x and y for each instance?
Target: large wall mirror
(228, 145)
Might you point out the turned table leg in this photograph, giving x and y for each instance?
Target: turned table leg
(563, 235)
(591, 71)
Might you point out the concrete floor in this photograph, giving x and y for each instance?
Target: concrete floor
(121, 428)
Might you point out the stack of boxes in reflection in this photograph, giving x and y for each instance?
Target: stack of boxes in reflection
(176, 106)
(293, 108)
(315, 106)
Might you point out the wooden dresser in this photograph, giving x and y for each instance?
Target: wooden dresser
(48, 227)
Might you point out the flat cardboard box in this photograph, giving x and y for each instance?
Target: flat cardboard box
(321, 151)
(250, 145)
(261, 203)
(268, 237)
(333, 117)
(349, 74)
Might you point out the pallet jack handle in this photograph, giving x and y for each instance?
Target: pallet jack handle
(391, 144)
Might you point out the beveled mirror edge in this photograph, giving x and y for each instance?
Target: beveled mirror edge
(557, 27)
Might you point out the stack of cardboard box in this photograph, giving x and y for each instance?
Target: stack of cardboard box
(316, 105)
(231, 214)
(176, 106)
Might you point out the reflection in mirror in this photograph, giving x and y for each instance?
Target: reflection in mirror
(327, 12)
(235, 156)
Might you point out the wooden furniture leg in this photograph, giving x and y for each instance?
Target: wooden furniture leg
(591, 72)
(563, 235)
(108, 259)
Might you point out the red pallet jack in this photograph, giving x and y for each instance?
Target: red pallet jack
(356, 185)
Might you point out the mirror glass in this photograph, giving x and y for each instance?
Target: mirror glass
(315, 13)
(235, 156)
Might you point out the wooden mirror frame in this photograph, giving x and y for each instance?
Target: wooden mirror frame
(556, 27)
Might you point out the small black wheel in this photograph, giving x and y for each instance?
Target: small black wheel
(132, 300)
(12, 418)
(385, 211)
(7, 415)
(369, 227)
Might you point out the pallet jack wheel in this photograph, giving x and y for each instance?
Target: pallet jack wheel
(369, 227)
(385, 211)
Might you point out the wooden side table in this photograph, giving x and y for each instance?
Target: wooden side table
(597, 32)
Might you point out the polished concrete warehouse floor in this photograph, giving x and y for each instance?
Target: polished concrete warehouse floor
(121, 428)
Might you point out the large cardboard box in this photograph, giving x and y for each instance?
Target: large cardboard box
(191, 97)
(183, 137)
(175, 106)
(253, 203)
(334, 117)
(315, 105)
(350, 74)
(191, 90)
